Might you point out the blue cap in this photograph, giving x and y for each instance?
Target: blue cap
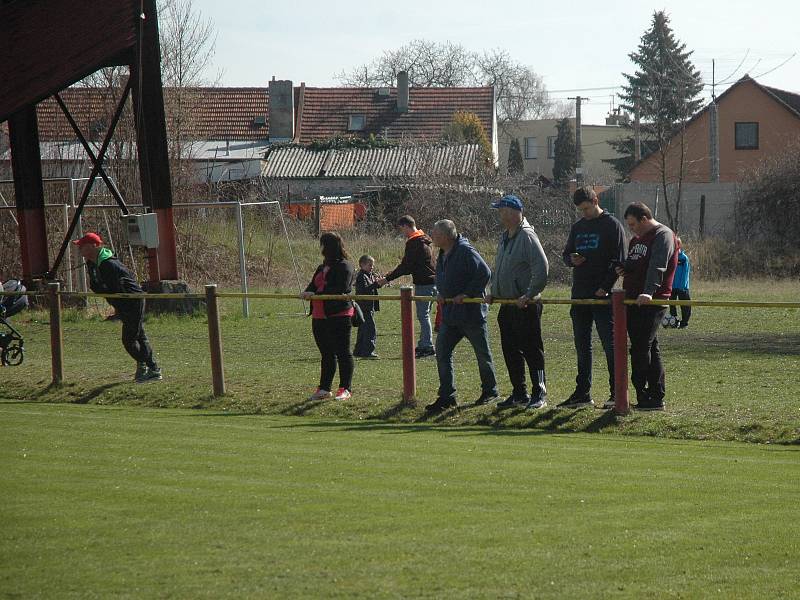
(509, 201)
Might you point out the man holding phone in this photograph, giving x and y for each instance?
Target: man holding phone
(596, 245)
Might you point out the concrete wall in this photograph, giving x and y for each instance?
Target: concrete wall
(720, 205)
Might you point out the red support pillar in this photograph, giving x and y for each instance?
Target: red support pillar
(167, 253)
(29, 192)
(620, 317)
(407, 342)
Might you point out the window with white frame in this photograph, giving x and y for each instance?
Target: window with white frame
(551, 146)
(356, 123)
(530, 147)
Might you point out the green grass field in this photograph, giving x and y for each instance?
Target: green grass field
(103, 501)
(263, 494)
(730, 376)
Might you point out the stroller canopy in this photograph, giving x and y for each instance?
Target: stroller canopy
(11, 305)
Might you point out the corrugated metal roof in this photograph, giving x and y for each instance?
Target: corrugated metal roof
(290, 162)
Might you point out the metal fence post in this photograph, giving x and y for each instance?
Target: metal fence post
(215, 341)
(242, 259)
(620, 317)
(56, 333)
(407, 342)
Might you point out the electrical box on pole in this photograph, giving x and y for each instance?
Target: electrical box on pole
(142, 230)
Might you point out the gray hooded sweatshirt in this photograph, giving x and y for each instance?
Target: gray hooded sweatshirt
(520, 266)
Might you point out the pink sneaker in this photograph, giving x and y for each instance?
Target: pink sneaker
(343, 394)
(320, 394)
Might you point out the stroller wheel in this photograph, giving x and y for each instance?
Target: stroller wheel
(13, 355)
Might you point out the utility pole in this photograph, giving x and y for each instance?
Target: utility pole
(713, 124)
(578, 149)
(637, 133)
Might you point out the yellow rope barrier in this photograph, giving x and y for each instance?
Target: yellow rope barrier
(356, 297)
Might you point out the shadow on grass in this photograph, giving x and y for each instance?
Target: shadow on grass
(90, 395)
(788, 345)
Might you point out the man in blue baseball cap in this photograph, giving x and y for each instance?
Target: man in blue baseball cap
(520, 273)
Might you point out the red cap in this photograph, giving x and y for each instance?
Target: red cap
(89, 238)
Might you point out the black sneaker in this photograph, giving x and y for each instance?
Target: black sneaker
(440, 405)
(577, 400)
(485, 399)
(153, 374)
(649, 406)
(537, 402)
(141, 372)
(610, 403)
(423, 352)
(683, 324)
(514, 400)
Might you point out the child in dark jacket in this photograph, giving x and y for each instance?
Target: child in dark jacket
(367, 284)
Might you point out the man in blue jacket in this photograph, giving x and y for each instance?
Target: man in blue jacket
(460, 273)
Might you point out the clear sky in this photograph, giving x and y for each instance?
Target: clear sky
(571, 44)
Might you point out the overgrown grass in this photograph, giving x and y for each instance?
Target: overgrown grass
(730, 375)
(121, 502)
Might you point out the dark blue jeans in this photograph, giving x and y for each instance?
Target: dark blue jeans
(583, 316)
(448, 337)
(647, 370)
(367, 335)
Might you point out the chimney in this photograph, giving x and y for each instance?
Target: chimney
(281, 111)
(402, 92)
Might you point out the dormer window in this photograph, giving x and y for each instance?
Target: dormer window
(356, 123)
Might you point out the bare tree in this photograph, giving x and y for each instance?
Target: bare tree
(521, 94)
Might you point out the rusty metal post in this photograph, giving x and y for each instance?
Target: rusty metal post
(407, 345)
(620, 317)
(56, 333)
(215, 340)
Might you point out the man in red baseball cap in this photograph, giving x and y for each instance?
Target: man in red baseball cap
(107, 275)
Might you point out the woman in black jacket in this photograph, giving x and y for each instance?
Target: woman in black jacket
(331, 321)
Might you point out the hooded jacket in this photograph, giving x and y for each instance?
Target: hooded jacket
(462, 271)
(521, 266)
(417, 260)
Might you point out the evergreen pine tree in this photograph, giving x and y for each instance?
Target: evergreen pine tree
(515, 165)
(564, 150)
(668, 86)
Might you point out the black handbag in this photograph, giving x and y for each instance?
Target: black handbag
(358, 315)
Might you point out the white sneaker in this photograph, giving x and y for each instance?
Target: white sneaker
(320, 394)
(343, 394)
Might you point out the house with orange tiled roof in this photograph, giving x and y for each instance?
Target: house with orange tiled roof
(754, 122)
(226, 132)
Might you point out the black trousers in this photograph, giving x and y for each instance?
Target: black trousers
(134, 338)
(686, 311)
(647, 370)
(521, 339)
(332, 336)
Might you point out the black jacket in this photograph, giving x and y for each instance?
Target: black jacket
(601, 242)
(338, 281)
(112, 277)
(367, 286)
(417, 262)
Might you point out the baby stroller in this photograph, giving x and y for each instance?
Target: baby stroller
(11, 343)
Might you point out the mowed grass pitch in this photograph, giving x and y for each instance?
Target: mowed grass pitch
(135, 502)
(730, 376)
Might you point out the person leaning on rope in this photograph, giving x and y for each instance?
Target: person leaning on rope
(647, 274)
(107, 275)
